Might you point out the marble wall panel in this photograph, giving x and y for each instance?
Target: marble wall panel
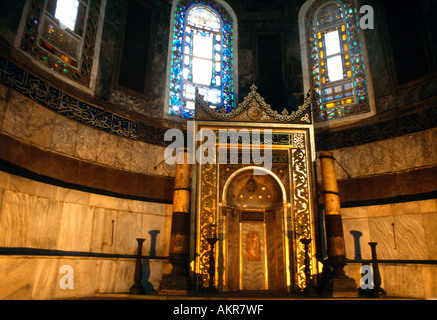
(428, 206)
(107, 148)
(17, 115)
(4, 92)
(357, 237)
(403, 280)
(44, 224)
(45, 190)
(156, 156)
(156, 208)
(417, 149)
(32, 122)
(412, 282)
(75, 229)
(432, 137)
(253, 265)
(64, 136)
(84, 271)
(403, 208)
(36, 215)
(105, 280)
(5, 179)
(429, 276)
(15, 217)
(125, 229)
(139, 157)
(130, 205)
(348, 160)
(379, 160)
(383, 210)
(168, 170)
(124, 275)
(403, 231)
(152, 274)
(87, 143)
(123, 154)
(155, 235)
(102, 235)
(354, 213)
(2, 191)
(22, 185)
(430, 231)
(393, 150)
(391, 279)
(101, 201)
(339, 172)
(386, 156)
(39, 278)
(410, 237)
(16, 278)
(364, 154)
(381, 231)
(46, 277)
(73, 196)
(41, 125)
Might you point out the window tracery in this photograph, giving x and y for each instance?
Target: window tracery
(336, 61)
(202, 57)
(62, 34)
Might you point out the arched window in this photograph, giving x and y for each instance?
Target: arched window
(336, 63)
(62, 34)
(202, 57)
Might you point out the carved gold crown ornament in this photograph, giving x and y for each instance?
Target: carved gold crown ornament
(254, 108)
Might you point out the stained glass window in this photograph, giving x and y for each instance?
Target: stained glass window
(336, 62)
(62, 35)
(202, 57)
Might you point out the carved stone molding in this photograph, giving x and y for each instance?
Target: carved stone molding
(254, 108)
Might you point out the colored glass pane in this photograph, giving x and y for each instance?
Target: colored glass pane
(335, 57)
(335, 68)
(204, 18)
(202, 57)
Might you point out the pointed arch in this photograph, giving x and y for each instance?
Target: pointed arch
(334, 61)
(203, 55)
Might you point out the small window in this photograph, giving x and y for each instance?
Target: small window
(202, 58)
(63, 26)
(62, 35)
(136, 48)
(336, 60)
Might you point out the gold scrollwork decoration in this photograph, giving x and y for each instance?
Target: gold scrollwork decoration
(254, 98)
(207, 217)
(302, 221)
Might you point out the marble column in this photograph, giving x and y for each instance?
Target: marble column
(177, 280)
(336, 283)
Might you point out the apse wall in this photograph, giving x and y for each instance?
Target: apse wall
(387, 190)
(386, 165)
(82, 172)
(71, 194)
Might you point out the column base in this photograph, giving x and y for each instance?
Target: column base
(173, 282)
(373, 293)
(335, 282)
(165, 292)
(178, 278)
(342, 288)
(137, 290)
